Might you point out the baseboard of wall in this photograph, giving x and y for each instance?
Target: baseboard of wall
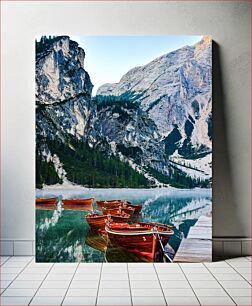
(223, 248)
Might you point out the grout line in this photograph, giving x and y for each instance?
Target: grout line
(9, 257)
(238, 273)
(96, 300)
(17, 275)
(41, 284)
(220, 284)
(189, 284)
(160, 284)
(70, 283)
(129, 284)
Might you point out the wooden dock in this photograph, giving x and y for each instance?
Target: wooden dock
(197, 246)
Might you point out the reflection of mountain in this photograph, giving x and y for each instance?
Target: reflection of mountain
(172, 210)
(152, 128)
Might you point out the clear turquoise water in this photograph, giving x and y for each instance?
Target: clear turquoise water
(63, 235)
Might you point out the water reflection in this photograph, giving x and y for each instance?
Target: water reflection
(64, 235)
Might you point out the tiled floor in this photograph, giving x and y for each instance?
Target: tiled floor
(24, 282)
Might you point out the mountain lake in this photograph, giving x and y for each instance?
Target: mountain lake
(64, 235)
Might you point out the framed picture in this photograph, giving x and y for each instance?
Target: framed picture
(123, 148)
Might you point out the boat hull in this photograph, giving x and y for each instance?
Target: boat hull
(46, 203)
(78, 204)
(111, 211)
(97, 222)
(144, 242)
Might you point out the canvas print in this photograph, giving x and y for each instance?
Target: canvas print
(123, 148)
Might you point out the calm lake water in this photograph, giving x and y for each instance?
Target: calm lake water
(64, 236)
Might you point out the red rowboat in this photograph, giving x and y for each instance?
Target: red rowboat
(46, 201)
(146, 239)
(126, 209)
(98, 222)
(137, 207)
(78, 204)
(110, 203)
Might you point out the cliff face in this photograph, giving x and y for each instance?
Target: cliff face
(174, 90)
(157, 119)
(63, 89)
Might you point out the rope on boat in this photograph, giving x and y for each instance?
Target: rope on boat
(163, 249)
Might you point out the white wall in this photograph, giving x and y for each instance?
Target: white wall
(227, 22)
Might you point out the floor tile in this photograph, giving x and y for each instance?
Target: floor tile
(243, 270)
(238, 264)
(229, 276)
(14, 264)
(243, 300)
(169, 269)
(63, 270)
(189, 300)
(5, 283)
(166, 284)
(150, 300)
(9, 270)
(141, 271)
(114, 292)
(178, 292)
(220, 300)
(30, 270)
(248, 277)
(204, 284)
(217, 264)
(201, 277)
(87, 284)
(84, 277)
(146, 292)
(29, 276)
(104, 300)
(42, 265)
(172, 276)
(59, 277)
(234, 284)
(86, 270)
(136, 276)
(3, 259)
(15, 300)
(249, 258)
(25, 284)
(219, 270)
(21, 258)
(79, 301)
(19, 292)
(112, 277)
(144, 284)
(8, 276)
(51, 292)
(237, 259)
(191, 270)
(47, 300)
(55, 284)
(114, 284)
(114, 269)
(239, 291)
(82, 292)
(210, 292)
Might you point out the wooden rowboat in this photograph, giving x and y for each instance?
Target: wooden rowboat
(46, 201)
(145, 239)
(111, 203)
(98, 222)
(116, 203)
(137, 208)
(125, 209)
(78, 204)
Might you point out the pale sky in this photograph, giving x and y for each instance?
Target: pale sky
(108, 58)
